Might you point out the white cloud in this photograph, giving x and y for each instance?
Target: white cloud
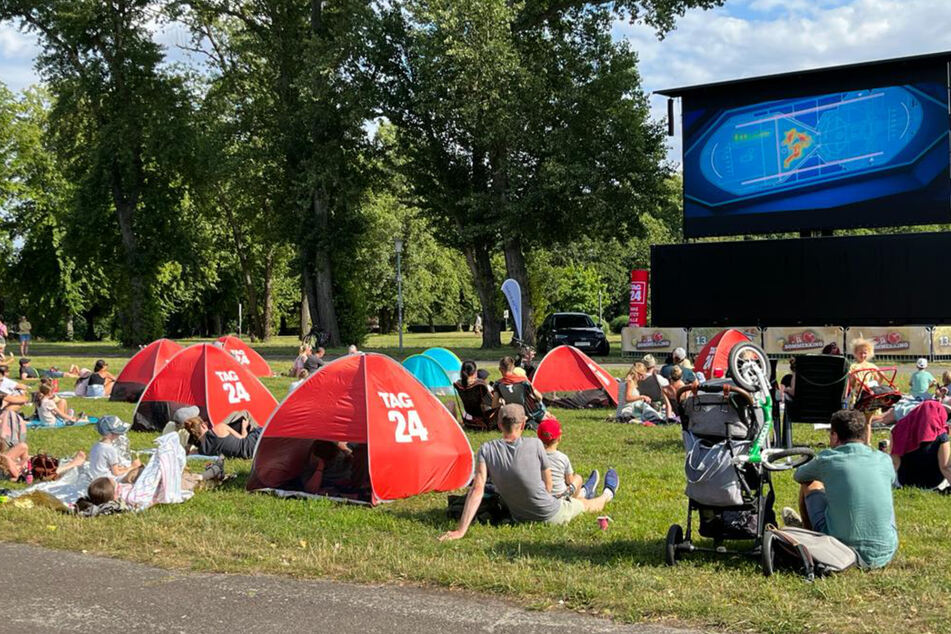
(17, 52)
(747, 38)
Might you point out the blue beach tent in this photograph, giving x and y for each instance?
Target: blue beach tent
(429, 373)
(447, 359)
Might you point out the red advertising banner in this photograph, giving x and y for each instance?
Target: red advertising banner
(638, 308)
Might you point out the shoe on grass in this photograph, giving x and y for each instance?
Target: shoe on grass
(591, 484)
(611, 481)
(791, 517)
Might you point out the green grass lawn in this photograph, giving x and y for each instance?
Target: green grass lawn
(617, 573)
(464, 344)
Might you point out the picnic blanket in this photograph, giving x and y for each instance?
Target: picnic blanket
(159, 483)
(35, 423)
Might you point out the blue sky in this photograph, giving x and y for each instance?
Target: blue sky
(743, 38)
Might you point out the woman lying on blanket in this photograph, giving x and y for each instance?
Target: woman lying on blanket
(222, 439)
(28, 372)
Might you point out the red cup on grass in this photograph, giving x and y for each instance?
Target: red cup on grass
(603, 522)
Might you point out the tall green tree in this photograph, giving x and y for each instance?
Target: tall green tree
(122, 125)
(304, 66)
(525, 125)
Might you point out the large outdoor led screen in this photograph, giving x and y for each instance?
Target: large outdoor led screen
(866, 157)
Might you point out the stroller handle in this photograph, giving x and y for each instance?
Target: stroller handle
(726, 388)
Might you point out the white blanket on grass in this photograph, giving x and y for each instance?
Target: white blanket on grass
(159, 483)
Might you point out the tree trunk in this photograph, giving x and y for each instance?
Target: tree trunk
(218, 322)
(304, 311)
(90, 326)
(477, 257)
(125, 207)
(267, 318)
(310, 290)
(323, 275)
(517, 270)
(69, 327)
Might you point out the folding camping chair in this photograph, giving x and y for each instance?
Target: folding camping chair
(821, 381)
(477, 412)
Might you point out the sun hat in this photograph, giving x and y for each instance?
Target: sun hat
(649, 361)
(549, 430)
(184, 413)
(922, 363)
(111, 425)
(679, 354)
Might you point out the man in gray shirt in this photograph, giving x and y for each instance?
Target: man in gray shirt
(520, 472)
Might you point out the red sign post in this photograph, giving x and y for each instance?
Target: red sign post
(638, 307)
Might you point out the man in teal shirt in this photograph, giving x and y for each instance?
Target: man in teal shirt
(846, 492)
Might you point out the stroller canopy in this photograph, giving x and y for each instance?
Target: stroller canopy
(567, 369)
(206, 376)
(245, 356)
(413, 442)
(447, 359)
(141, 368)
(429, 372)
(713, 359)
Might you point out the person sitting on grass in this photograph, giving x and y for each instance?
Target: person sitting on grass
(14, 452)
(302, 354)
(920, 450)
(674, 384)
(104, 458)
(301, 377)
(521, 473)
(100, 381)
(679, 358)
(564, 481)
(51, 410)
(9, 387)
(315, 360)
(516, 389)
(637, 407)
(846, 492)
(222, 439)
(921, 381)
(476, 397)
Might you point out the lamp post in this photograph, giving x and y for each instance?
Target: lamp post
(398, 245)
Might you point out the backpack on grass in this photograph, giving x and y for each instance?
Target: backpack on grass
(492, 509)
(813, 554)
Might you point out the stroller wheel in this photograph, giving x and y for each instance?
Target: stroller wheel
(745, 358)
(767, 553)
(675, 536)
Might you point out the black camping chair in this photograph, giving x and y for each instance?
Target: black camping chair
(821, 381)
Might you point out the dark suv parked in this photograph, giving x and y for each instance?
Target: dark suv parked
(572, 329)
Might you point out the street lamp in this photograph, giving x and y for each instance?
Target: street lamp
(398, 245)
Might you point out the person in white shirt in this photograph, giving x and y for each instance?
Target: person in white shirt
(104, 458)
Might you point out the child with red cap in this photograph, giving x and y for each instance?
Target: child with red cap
(564, 481)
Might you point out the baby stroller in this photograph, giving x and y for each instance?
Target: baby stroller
(728, 434)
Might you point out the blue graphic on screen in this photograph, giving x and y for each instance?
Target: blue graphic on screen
(817, 152)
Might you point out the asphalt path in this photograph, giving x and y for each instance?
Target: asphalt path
(56, 591)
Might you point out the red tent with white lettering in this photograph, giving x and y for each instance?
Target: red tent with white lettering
(714, 358)
(141, 369)
(245, 355)
(206, 376)
(403, 439)
(567, 369)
